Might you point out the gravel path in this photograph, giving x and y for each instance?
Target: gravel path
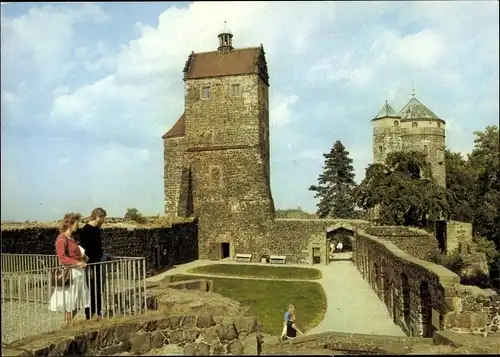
(353, 307)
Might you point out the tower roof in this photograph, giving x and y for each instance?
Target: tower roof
(414, 109)
(225, 30)
(178, 129)
(386, 111)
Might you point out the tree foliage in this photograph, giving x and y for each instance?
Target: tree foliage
(133, 214)
(336, 184)
(404, 191)
(460, 181)
(485, 163)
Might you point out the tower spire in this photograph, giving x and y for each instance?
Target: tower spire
(413, 89)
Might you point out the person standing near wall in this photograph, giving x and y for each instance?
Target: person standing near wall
(91, 241)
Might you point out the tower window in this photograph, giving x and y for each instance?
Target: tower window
(438, 125)
(414, 124)
(380, 148)
(236, 90)
(425, 149)
(215, 180)
(205, 92)
(396, 123)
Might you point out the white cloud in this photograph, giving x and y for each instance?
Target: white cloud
(332, 66)
(282, 112)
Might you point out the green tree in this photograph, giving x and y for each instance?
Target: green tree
(460, 181)
(133, 214)
(485, 163)
(336, 184)
(404, 191)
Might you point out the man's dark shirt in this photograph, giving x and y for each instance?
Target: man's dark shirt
(91, 241)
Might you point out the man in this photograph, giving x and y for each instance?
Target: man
(288, 315)
(91, 241)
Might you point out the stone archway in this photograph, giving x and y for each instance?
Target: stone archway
(385, 288)
(405, 292)
(341, 232)
(426, 310)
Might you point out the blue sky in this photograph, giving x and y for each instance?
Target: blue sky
(88, 89)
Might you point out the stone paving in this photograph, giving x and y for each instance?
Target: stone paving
(353, 307)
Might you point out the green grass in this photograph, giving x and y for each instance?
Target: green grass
(258, 271)
(268, 300)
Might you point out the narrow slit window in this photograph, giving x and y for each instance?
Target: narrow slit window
(215, 177)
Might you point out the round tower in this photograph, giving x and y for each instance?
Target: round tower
(424, 131)
(386, 133)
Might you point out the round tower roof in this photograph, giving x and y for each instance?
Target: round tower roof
(225, 30)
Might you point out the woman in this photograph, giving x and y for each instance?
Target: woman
(291, 327)
(76, 294)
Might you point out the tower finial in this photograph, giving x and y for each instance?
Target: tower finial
(413, 89)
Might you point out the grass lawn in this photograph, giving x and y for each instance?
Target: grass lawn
(268, 300)
(258, 271)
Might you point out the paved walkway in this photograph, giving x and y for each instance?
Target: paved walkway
(353, 307)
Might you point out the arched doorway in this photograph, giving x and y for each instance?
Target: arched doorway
(405, 290)
(426, 310)
(386, 298)
(340, 233)
(376, 276)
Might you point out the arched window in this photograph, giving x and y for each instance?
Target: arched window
(438, 125)
(396, 123)
(414, 124)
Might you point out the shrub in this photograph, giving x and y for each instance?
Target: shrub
(133, 214)
(453, 261)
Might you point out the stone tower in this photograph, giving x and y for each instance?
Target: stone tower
(217, 158)
(414, 127)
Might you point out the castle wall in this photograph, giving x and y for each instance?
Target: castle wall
(231, 196)
(174, 177)
(222, 120)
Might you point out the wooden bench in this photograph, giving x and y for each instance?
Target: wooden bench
(241, 257)
(277, 259)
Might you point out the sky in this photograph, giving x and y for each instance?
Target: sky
(87, 90)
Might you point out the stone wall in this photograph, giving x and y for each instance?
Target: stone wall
(197, 334)
(415, 242)
(422, 297)
(458, 236)
(179, 240)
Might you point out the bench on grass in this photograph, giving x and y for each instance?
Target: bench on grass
(277, 259)
(241, 257)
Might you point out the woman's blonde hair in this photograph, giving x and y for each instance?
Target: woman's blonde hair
(68, 220)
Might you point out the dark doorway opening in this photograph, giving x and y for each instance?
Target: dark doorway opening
(225, 250)
(426, 310)
(441, 235)
(316, 256)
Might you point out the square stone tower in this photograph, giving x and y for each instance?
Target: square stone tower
(217, 162)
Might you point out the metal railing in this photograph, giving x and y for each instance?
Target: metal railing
(12, 263)
(43, 300)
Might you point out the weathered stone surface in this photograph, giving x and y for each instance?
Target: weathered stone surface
(140, 343)
(189, 321)
(175, 336)
(245, 323)
(157, 340)
(190, 350)
(235, 347)
(227, 331)
(112, 350)
(205, 321)
(210, 335)
(202, 349)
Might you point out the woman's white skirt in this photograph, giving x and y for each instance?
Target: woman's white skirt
(75, 296)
